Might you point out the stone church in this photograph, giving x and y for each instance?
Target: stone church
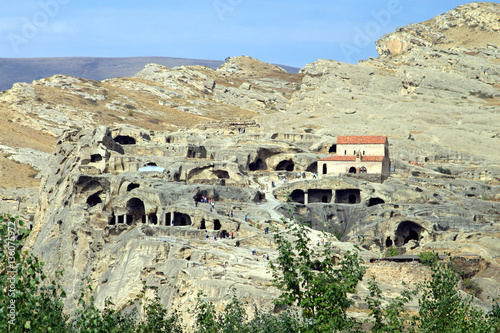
(358, 154)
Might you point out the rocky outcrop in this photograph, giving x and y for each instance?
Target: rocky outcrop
(442, 30)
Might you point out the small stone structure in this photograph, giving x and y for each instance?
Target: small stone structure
(358, 154)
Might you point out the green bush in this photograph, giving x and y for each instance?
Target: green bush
(428, 258)
(443, 170)
(391, 251)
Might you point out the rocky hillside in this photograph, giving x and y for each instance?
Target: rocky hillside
(132, 154)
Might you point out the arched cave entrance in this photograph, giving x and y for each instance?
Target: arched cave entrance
(297, 196)
(217, 225)
(202, 224)
(406, 231)
(325, 169)
(257, 165)
(348, 196)
(125, 140)
(93, 200)
(135, 211)
(287, 165)
(375, 201)
(181, 219)
(352, 170)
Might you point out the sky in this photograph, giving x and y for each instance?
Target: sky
(290, 32)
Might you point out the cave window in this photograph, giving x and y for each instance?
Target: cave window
(324, 169)
(217, 225)
(95, 158)
(363, 152)
(125, 140)
(352, 170)
(362, 169)
(354, 153)
(93, 200)
(345, 152)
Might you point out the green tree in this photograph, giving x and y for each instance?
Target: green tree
(443, 309)
(90, 319)
(28, 302)
(312, 280)
(157, 320)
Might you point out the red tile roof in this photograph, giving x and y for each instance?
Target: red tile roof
(339, 158)
(372, 158)
(352, 158)
(361, 139)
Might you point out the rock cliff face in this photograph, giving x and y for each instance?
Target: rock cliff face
(474, 24)
(119, 199)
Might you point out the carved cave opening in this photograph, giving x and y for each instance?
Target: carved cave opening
(348, 196)
(297, 196)
(95, 158)
(375, 201)
(131, 186)
(221, 174)
(259, 164)
(94, 200)
(217, 224)
(286, 165)
(319, 195)
(181, 219)
(125, 140)
(135, 211)
(203, 224)
(406, 231)
(153, 219)
(313, 167)
(333, 149)
(151, 164)
(388, 242)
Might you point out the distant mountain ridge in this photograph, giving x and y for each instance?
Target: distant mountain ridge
(14, 70)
